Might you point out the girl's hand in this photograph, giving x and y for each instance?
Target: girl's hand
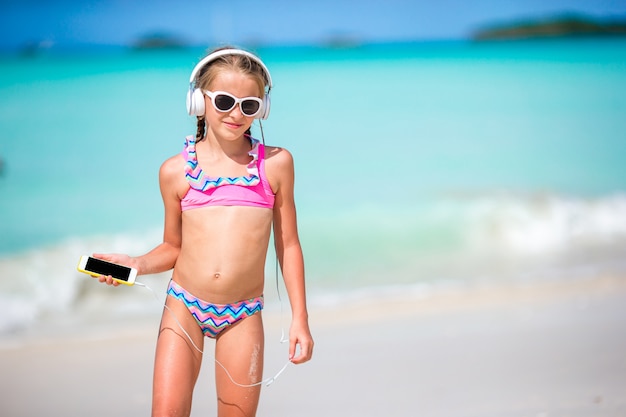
(116, 258)
(300, 335)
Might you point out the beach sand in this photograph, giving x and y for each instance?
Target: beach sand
(542, 350)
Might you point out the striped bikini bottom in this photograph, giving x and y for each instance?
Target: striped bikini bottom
(215, 318)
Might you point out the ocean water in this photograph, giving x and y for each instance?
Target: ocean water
(418, 166)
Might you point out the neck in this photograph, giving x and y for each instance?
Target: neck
(229, 147)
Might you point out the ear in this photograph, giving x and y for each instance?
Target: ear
(195, 102)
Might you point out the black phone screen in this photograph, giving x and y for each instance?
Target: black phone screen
(106, 268)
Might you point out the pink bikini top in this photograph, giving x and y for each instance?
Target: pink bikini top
(251, 190)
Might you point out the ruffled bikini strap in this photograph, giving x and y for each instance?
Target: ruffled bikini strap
(199, 181)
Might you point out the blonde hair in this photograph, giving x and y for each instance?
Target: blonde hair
(232, 62)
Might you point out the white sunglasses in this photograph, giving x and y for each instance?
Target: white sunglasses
(225, 102)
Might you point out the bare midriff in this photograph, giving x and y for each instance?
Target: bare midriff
(223, 253)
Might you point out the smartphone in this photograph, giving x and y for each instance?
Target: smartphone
(96, 267)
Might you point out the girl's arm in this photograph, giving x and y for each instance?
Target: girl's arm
(163, 257)
(290, 256)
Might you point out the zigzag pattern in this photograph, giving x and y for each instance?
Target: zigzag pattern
(215, 318)
(198, 180)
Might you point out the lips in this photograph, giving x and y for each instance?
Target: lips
(233, 125)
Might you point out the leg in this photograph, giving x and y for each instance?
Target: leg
(177, 362)
(240, 350)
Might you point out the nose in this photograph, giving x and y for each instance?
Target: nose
(236, 112)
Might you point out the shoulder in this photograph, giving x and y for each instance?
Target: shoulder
(173, 165)
(279, 168)
(278, 158)
(172, 173)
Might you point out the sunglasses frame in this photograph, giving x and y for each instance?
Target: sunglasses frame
(237, 100)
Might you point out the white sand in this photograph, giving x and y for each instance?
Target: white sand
(542, 351)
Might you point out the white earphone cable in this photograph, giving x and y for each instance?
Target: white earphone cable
(267, 381)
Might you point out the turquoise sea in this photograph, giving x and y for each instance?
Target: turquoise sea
(418, 166)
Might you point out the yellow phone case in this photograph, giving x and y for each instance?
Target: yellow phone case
(91, 273)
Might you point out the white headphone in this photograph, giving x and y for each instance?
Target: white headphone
(195, 96)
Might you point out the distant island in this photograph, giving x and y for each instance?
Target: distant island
(557, 27)
(159, 40)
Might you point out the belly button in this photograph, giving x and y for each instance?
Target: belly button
(217, 275)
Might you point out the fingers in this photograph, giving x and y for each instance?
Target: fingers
(110, 257)
(103, 256)
(306, 350)
(292, 349)
(116, 258)
(106, 279)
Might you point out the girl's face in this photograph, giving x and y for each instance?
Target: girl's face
(231, 124)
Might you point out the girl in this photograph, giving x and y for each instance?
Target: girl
(222, 195)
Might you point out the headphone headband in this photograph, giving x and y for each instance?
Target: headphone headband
(222, 52)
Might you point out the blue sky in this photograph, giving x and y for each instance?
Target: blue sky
(115, 22)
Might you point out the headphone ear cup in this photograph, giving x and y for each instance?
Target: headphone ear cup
(266, 107)
(195, 102)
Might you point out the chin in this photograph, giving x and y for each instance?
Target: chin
(230, 134)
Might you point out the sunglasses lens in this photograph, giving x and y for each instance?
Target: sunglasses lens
(223, 102)
(249, 107)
